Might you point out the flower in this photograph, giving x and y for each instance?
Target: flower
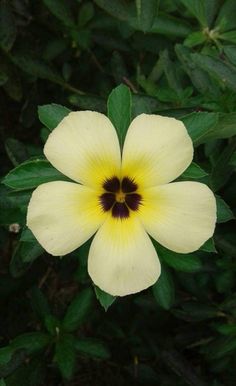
(121, 199)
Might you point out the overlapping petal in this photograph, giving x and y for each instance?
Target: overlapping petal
(156, 150)
(85, 147)
(122, 259)
(181, 216)
(63, 215)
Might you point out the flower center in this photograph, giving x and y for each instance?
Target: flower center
(120, 197)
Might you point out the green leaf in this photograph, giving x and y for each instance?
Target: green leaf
(170, 26)
(88, 102)
(178, 261)
(197, 9)
(13, 87)
(229, 36)
(212, 9)
(32, 342)
(226, 17)
(18, 358)
(78, 310)
(65, 355)
(119, 106)
(39, 303)
(224, 213)
(104, 298)
(7, 26)
(16, 151)
(86, 13)
(218, 69)
(146, 13)
(52, 325)
(51, 115)
(209, 246)
(230, 52)
(23, 256)
(115, 8)
(199, 311)
(194, 171)
(195, 39)
(199, 78)
(36, 67)
(27, 235)
(164, 289)
(220, 347)
(224, 281)
(171, 75)
(5, 355)
(2, 382)
(226, 329)
(222, 169)
(13, 206)
(61, 10)
(92, 348)
(31, 174)
(225, 127)
(199, 125)
(143, 104)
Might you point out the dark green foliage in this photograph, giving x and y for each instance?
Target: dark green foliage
(174, 58)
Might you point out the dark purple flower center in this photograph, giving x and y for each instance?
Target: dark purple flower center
(120, 197)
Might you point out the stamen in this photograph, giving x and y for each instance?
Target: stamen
(120, 197)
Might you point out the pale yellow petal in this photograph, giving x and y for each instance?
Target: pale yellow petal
(156, 150)
(122, 259)
(84, 147)
(63, 215)
(181, 215)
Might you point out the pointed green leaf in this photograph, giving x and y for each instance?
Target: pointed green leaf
(198, 9)
(65, 355)
(92, 348)
(209, 246)
(51, 115)
(194, 171)
(104, 298)
(146, 13)
(119, 106)
(164, 289)
(31, 174)
(61, 10)
(31, 342)
(185, 262)
(78, 310)
(217, 69)
(224, 213)
(199, 125)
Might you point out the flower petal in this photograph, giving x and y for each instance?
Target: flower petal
(63, 215)
(84, 147)
(181, 216)
(156, 150)
(122, 259)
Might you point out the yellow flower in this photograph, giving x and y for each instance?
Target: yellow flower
(121, 199)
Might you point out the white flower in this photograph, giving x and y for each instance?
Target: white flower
(121, 198)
